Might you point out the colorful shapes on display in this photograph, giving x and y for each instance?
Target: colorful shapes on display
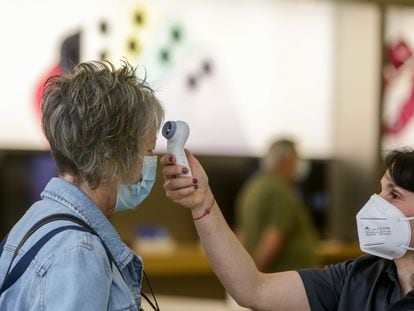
(194, 79)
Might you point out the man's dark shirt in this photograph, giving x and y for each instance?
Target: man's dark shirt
(366, 283)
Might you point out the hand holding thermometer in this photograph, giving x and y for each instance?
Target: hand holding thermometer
(176, 133)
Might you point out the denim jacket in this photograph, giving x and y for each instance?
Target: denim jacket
(72, 271)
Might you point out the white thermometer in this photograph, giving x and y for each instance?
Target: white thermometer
(176, 133)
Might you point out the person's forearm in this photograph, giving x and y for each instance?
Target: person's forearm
(230, 261)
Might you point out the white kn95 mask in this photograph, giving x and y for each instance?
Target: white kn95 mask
(383, 230)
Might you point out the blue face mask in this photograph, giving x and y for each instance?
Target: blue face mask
(130, 196)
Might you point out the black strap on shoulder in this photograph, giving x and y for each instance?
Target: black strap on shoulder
(12, 276)
(27, 258)
(44, 221)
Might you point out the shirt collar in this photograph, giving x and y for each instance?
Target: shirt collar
(77, 201)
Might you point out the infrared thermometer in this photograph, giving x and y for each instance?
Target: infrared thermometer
(176, 133)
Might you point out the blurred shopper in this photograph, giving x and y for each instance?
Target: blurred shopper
(273, 223)
(382, 280)
(101, 124)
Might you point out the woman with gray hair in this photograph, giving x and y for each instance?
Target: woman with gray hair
(101, 124)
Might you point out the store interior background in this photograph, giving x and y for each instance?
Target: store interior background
(240, 73)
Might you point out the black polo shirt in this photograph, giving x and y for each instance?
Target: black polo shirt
(364, 284)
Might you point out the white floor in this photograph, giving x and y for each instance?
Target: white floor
(174, 303)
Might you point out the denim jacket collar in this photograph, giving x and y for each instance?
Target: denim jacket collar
(77, 201)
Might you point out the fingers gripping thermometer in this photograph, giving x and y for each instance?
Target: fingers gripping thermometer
(176, 133)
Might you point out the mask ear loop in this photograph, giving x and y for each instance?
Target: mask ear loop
(407, 219)
(407, 247)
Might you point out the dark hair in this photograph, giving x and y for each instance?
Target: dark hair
(400, 164)
(96, 120)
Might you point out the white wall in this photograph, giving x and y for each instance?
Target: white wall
(356, 116)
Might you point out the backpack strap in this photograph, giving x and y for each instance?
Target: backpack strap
(27, 258)
(12, 276)
(17, 271)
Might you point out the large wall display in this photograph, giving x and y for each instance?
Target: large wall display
(239, 72)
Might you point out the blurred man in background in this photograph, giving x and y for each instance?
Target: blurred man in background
(273, 223)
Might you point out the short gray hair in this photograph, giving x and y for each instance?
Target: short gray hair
(96, 120)
(278, 151)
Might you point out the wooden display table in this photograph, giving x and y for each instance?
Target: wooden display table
(331, 252)
(189, 260)
(180, 261)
